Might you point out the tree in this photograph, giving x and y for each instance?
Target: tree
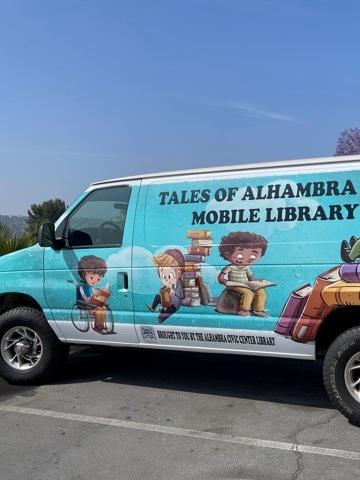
(46, 212)
(9, 242)
(348, 142)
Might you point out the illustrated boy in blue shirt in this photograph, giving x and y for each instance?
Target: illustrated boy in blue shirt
(92, 270)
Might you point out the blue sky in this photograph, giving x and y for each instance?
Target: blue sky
(93, 89)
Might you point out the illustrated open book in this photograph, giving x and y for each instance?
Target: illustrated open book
(101, 295)
(253, 285)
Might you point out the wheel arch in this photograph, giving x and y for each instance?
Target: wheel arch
(336, 322)
(12, 300)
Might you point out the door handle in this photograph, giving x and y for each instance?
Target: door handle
(123, 282)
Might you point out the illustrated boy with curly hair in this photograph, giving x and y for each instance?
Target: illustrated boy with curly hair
(243, 249)
(92, 269)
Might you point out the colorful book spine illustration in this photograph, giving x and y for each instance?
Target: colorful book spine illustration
(204, 291)
(203, 251)
(196, 291)
(190, 275)
(350, 272)
(315, 309)
(342, 293)
(199, 234)
(192, 267)
(187, 302)
(202, 243)
(194, 258)
(293, 309)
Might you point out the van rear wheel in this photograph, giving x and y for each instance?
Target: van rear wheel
(30, 352)
(342, 374)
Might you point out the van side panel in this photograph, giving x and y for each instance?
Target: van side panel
(256, 256)
(78, 307)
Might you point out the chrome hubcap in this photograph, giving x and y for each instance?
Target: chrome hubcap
(21, 348)
(352, 376)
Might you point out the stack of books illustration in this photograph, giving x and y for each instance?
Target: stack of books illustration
(197, 292)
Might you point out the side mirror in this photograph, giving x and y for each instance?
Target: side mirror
(47, 235)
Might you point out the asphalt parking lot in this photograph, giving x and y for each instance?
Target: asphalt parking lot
(146, 414)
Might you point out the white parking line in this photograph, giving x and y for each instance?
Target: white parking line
(184, 432)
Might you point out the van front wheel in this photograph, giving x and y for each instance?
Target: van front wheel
(342, 374)
(30, 352)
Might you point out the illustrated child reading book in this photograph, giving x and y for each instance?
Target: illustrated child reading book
(242, 249)
(170, 267)
(92, 269)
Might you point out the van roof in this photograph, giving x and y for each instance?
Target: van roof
(238, 168)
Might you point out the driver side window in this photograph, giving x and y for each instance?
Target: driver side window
(100, 219)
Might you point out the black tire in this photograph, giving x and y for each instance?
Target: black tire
(54, 353)
(341, 351)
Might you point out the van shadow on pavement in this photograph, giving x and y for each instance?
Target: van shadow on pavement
(8, 391)
(258, 378)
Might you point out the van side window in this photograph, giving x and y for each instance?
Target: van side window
(100, 219)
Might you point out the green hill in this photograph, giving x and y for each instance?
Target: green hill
(15, 223)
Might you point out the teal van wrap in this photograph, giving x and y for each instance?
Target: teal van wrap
(303, 221)
(220, 262)
(23, 272)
